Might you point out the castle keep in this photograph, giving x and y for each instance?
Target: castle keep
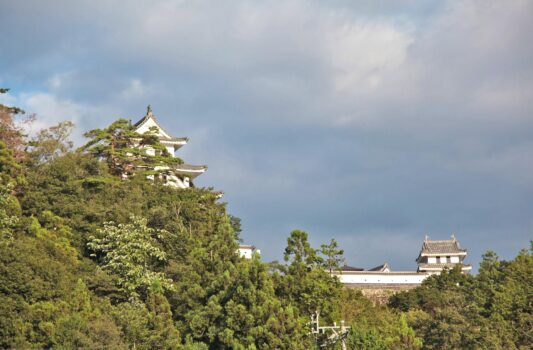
(179, 175)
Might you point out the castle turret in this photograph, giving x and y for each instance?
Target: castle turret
(441, 254)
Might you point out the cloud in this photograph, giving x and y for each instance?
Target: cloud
(369, 121)
(51, 110)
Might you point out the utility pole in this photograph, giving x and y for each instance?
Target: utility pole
(336, 333)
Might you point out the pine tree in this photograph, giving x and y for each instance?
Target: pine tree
(163, 333)
(125, 150)
(333, 256)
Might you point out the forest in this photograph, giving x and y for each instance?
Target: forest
(90, 260)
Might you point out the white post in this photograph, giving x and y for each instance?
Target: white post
(343, 330)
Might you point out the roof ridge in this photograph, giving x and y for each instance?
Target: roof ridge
(150, 115)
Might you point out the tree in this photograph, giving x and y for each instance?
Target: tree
(304, 283)
(11, 131)
(130, 251)
(164, 334)
(254, 317)
(10, 170)
(9, 205)
(332, 255)
(126, 151)
(491, 310)
(83, 325)
(365, 339)
(7, 221)
(375, 324)
(299, 251)
(51, 143)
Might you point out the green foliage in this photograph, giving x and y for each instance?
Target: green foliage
(126, 151)
(299, 252)
(333, 256)
(90, 261)
(51, 143)
(255, 317)
(365, 339)
(130, 251)
(7, 221)
(163, 332)
(4, 108)
(491, 310)
(9, 168)
(376, 327)
(305, 285)
(11, 130)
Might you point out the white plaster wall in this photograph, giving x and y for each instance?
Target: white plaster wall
(443, 260)
(432, 260)
(171, 150)
(146, 127)
(382, 278)
(174, 181)
(245, 253)
(454, 259)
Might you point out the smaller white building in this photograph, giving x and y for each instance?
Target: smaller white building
(438, 255)
(247, 251)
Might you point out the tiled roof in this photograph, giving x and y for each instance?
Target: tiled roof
(350, 268)
(383, 267)
(141, 121)
(178, 139)
(191, 171)
(188, 167)
(450, 246)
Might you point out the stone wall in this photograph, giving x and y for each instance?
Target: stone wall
(380, 293)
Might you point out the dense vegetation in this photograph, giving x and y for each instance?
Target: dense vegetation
(89, 260)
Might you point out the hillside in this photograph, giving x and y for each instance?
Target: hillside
(91, 260)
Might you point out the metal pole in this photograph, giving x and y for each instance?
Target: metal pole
(343, 340)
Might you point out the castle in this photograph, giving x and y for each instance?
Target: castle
(434, 256)
(379, 282)
(179, 176)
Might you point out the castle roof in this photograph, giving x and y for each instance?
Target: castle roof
(191, 171)
(350, 268)
(382, 268)
(149, 120)
(441, 247)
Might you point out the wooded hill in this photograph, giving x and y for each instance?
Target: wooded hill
(91, 261)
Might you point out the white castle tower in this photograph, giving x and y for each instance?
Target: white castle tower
(435, 256)
(180, 175)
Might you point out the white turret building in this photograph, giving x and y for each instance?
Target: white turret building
(443, 254)
(180, 175)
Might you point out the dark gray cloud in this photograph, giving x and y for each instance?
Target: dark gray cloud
(373, 123)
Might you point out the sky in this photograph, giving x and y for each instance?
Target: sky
(370, 122)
